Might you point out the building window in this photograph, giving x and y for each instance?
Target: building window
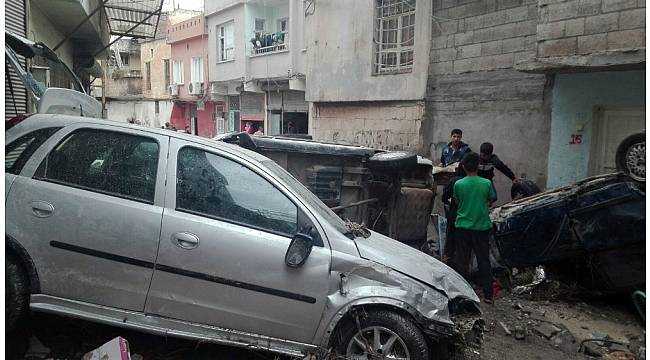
(226, 41)
(167, 77)
(283, 28)
(157, 106)
(178, 72)
(197, 69)
(147, 70)
(125, 59)
(259, 27)
(394, 36)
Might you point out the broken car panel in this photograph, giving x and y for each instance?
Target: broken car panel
(51, 85)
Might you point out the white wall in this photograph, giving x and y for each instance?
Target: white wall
(40, 29)
(212, 6)
(339, 42)
(142, 110)
(230, 70)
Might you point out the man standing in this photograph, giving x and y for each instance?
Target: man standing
(455, 149)
(489, 161)
(473, 195)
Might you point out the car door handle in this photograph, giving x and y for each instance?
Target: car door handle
(185, 240)
(41, 209)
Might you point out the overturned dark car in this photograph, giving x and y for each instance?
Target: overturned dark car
(590, 233)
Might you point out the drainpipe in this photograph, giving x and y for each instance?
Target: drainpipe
(104, 114)
(266, 110)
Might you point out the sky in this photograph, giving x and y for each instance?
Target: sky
(184, 4)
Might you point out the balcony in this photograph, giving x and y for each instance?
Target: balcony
(267, 26)
(270, 49)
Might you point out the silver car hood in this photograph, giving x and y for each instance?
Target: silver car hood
(416, 264)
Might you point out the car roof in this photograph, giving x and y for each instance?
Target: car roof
(38, 121)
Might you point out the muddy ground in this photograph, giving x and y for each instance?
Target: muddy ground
(551, 329)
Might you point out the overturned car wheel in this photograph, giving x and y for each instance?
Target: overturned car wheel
(393, 160)
(630, 156)
(382, 335)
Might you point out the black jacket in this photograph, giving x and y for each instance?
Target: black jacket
(486, 168)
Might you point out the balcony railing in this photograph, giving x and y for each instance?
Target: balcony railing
(270, 49)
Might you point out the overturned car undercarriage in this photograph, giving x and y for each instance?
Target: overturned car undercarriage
(590, 233)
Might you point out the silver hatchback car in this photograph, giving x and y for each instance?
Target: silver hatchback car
(173, 234)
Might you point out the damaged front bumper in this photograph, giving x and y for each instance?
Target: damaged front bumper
(367, 285)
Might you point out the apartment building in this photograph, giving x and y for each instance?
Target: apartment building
(257, 62)
(193, 110)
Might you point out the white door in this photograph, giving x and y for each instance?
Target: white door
(611, 126)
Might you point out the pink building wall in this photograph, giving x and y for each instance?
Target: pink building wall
(189, 39)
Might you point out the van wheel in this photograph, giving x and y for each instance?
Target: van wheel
(382, 335)
(16, 292)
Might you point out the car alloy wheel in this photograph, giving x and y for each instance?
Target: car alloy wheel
(377, 342)
(635, 161)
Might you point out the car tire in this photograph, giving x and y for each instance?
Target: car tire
(630, 156)
(522, 188)
(393, 160)
(409, 343)
(16, 292)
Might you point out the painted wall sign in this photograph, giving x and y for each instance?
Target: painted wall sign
(576, 139)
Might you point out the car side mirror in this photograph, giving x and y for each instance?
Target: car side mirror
(298, 250)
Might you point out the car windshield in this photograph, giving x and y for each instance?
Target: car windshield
(307, 196)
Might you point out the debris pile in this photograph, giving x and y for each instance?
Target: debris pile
(570, 328)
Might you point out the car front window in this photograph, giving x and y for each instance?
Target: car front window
(316, 204)
(213, 186)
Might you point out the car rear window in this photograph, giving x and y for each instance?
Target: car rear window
(109, 162)
(20, 150)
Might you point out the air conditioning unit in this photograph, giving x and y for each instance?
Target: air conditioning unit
(173, 90)
(196, 88)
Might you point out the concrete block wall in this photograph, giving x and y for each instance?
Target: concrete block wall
(472, 85)
(481, 35)
(579, 27)
(389, 125)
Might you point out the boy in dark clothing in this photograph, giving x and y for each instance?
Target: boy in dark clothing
(473, 195)
(489, 161)
(450, 212)
(455, 149)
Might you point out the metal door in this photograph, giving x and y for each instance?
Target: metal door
(88, 245)
(232, 274)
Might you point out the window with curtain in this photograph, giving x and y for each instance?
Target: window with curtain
(178, 72)
(197, 69)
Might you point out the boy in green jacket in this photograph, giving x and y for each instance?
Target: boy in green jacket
(474, 194)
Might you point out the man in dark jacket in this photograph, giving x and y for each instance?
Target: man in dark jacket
(489, 161)
(450, 212)
(455, 149)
